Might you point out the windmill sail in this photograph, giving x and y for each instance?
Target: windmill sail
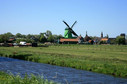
(74, 33)
(73, 24)
(66, 24)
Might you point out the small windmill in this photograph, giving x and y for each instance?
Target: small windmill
(69, 31)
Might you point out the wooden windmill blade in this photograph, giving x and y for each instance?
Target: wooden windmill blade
(74, 33)
(72, 29)
(73, 24)
(66, 24)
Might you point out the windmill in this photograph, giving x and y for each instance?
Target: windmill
(69, 31)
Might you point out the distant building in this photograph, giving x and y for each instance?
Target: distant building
(96, 39)
(79, 39)
(87, 38)
(68, 41)
(11, 39)
(105, 40)
(22, 43)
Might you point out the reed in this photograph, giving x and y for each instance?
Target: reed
(17, 79)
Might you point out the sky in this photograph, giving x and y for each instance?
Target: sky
(38, 16)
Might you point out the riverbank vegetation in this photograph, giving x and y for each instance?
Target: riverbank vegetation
(107, 59)
(12, 79)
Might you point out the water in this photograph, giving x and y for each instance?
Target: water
(63, 75)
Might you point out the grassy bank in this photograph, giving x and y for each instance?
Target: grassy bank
(11, 79)
(107, 59)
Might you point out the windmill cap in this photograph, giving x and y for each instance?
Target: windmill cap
(66, 28)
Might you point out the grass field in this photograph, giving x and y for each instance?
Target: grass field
(11, 79)
(107, 59)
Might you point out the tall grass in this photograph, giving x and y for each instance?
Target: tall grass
(12, 79)
(107, 59)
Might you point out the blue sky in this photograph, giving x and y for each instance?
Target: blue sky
(36, 16)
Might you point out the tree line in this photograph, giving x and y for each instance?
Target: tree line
(30, 38)
(48, 37)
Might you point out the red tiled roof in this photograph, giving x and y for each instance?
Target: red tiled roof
(68, 40)
(104, 39)
(11, 39)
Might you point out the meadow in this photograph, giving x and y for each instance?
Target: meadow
(107, 59)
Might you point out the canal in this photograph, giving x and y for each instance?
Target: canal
(59, 74)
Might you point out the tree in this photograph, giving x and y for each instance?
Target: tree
(19, 40)
(29, 36)
(29, 40)
(59, 36)
(112, 41)
(50, 38)
(103, 42)
(23, 36)
(5, 37)
(18, 35)
(107, 36)
(9, 34)
(56, 38)
(120, 40)
(48, 33)
(36, 38)
(2, 38)
(42, 38)
(126, 39)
